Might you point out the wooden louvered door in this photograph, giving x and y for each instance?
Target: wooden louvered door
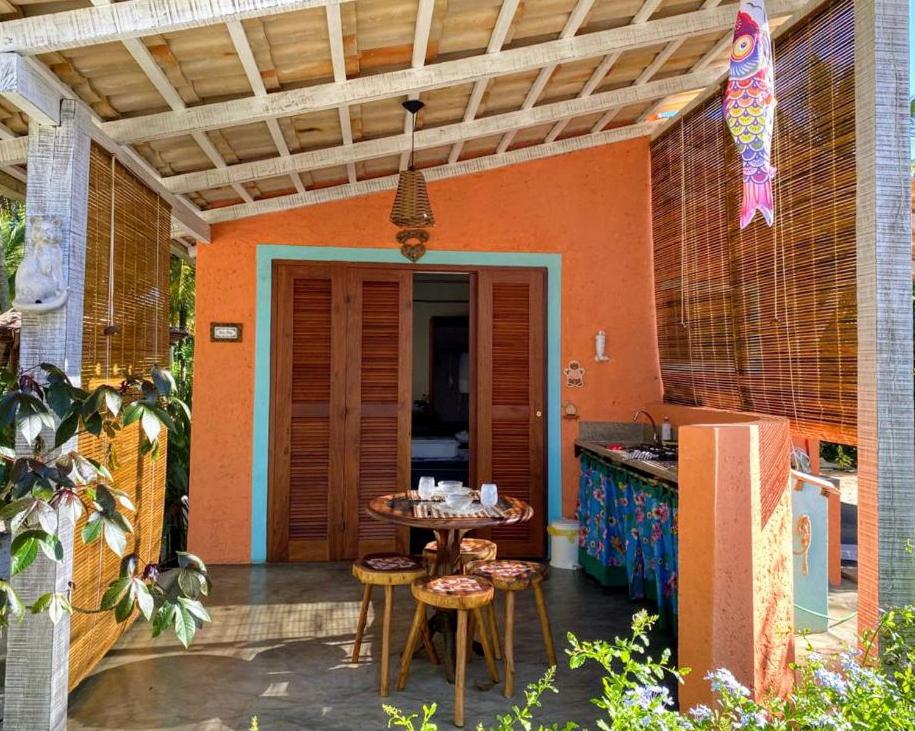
(378, 395)
(308, 410)
(510, 397)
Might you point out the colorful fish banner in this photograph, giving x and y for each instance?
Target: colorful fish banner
(749, 108)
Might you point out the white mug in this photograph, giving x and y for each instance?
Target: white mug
(489, 494)
(426, 487)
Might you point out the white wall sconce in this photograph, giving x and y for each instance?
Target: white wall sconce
(600, 347)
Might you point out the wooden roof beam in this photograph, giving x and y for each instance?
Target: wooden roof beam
(651, 69)
(421, 33)
(576, 19)
(338, 63)
(436, 136)
(140, 53)
(133, 19)
(703, 63)
(23, 87)
(15, 151)
(434, 76)
(496, 40)
(597, 76)
(467, 167)
(253, 74)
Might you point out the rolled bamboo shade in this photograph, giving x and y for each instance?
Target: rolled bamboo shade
(141, 258)
(764, 319)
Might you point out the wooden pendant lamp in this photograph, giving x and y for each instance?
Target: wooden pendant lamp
(411, 202)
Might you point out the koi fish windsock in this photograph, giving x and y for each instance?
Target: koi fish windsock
(749, 108)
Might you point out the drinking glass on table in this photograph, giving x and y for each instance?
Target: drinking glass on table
(489, 494)
(426, 488)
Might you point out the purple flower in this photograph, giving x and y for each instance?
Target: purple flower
(831, 680)
(649, 697)
(701, 713)
(723, 681)
(756, 719)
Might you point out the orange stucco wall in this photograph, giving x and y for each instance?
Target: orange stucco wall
(735, 580)
(592, 207)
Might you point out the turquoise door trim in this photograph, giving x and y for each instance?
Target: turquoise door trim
(268, 253)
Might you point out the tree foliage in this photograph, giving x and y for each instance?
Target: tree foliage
(48, 481)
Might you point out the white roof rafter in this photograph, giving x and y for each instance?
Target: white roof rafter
(15, 151)
(467, 167)
(136, 48)
(496, 40)
(400, 83)
(576, 19)
(649, 71)
(133, 19)
(252, 72)
(371, 81)
(436, 136)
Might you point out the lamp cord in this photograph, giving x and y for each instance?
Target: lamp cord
(412, 137)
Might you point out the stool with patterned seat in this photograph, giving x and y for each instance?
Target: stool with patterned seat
(512, 577)
(387, 570)
(472, 549)
(466, 595)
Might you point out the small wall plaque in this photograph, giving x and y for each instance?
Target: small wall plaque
(225, 332)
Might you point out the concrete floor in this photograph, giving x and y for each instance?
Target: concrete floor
(279, 648)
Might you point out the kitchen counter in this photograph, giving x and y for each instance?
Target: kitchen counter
(658, 470)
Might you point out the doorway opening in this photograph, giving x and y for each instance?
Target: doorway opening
(375, 385)
(440, 444)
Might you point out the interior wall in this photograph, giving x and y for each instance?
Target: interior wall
(451, 300)
(591, 207)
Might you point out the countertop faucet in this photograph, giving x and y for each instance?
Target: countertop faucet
(654, 424)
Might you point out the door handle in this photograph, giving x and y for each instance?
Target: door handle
(538, 413)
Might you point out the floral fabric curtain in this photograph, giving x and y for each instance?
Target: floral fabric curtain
(629, 533)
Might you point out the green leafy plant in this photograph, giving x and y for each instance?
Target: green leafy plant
(12, 239)
(520, 717)
(859, 690)
(177, 487)
(48, 481)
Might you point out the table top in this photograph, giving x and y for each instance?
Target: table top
(399, 508)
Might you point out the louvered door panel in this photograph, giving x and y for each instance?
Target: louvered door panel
(510, 399)
(378, 396)
(308, 410)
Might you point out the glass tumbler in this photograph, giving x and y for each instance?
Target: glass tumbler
(426, 487)
(489, 494)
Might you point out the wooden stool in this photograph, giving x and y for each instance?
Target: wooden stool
(387, 570)
(464, 594)
(472, 549)
(512, 577)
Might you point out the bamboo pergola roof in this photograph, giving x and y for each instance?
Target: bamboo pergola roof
(239, 107)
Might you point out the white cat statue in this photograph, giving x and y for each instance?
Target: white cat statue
(40, 285)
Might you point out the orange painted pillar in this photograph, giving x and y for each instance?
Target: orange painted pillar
(735, 570)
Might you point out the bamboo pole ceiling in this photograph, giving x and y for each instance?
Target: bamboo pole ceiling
(269, 104)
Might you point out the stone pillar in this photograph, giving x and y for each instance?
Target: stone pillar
(58, 186)
(886, 464)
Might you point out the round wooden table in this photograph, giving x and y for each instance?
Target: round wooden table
(402, 509)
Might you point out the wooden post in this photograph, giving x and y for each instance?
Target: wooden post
(37, 664)
(886, 464)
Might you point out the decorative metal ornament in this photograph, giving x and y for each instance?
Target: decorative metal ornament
(412, 243)
(411, 202)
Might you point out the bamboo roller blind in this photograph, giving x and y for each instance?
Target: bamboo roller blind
(140, 297)
(764, 319)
